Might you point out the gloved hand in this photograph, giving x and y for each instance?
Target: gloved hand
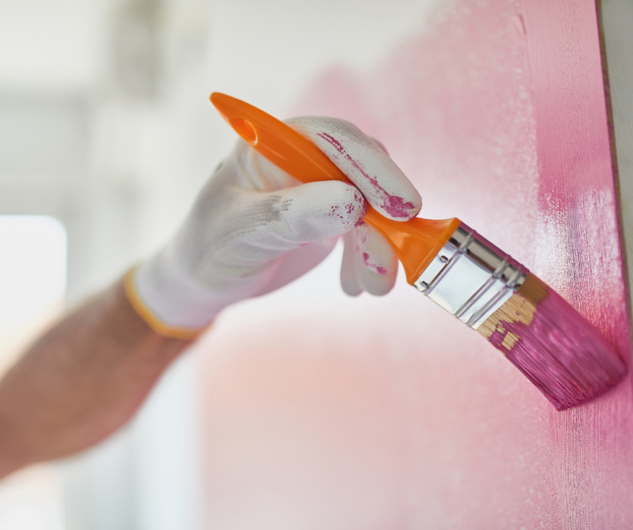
(254, 228)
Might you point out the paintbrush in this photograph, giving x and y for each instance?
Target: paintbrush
(567, 358)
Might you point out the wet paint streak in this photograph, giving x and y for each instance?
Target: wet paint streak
(497, 115)
(395, 206)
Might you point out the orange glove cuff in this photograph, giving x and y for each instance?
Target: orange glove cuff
(165, 330)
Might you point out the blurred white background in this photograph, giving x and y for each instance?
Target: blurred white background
(105, 126)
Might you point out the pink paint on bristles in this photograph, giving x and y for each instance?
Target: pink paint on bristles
(566, 357)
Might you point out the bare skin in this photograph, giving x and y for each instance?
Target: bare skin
(80, 381)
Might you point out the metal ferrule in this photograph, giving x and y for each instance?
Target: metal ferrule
(470, 277)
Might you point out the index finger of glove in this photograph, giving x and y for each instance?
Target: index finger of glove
(365, 163)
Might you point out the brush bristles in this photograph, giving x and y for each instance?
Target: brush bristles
(567, 358)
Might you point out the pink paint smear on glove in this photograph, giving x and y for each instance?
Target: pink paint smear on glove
(395, 206)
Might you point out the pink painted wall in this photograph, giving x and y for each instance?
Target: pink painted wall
(329, 412)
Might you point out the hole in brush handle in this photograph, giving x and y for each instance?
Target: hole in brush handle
(245, 129)
(276, 141)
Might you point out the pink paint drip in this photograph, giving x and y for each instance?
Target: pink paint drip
(376, 268)
(394, 205)
(359, 204)
(358, 198)
(334, 212)
(567, 358)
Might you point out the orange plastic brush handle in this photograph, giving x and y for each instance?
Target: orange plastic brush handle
(416, 242)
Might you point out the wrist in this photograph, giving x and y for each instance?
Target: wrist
(12, 449)
(172, 304)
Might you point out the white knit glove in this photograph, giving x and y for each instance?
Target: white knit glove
(254, 228)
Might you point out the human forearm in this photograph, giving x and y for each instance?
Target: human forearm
(80, 381)
(252, 229)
